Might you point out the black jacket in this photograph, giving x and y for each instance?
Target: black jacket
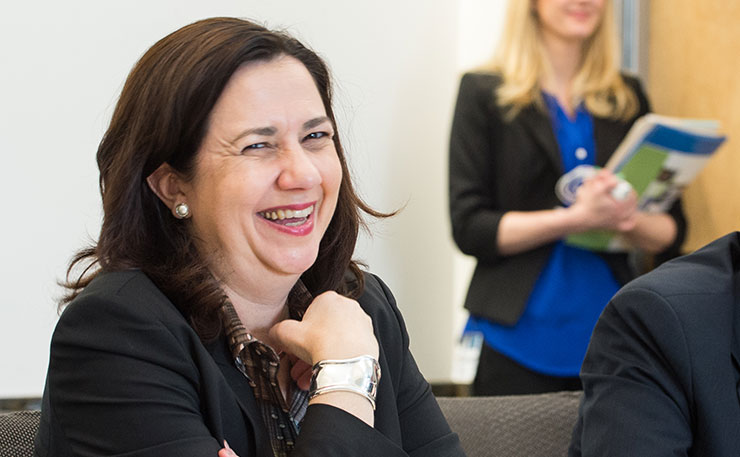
(129, 376)
(662, 373)
(498, 165)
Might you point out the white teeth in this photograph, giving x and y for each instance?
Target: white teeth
(305, 212)
(282, 214)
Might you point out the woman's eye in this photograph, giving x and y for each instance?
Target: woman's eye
(254, 146)
(317, 135)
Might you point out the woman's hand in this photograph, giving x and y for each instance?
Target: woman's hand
(596, 208)
(227, 451)
(334, 327)
(300, 372)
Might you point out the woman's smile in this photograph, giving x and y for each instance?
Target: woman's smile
(291, 219)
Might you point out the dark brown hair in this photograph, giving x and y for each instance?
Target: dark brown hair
(162, 116)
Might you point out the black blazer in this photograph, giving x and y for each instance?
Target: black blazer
(498, 165)
(129, 376)
(662, 373)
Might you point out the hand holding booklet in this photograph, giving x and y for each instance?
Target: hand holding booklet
(659, 157)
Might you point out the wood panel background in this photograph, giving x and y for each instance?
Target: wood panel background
(693, 71)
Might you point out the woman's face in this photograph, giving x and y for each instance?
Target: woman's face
(569, 19)
(267, 175)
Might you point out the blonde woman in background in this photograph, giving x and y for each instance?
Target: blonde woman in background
(552, 99)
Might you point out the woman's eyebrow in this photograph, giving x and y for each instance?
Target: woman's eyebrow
(315, 122)
(262, 131)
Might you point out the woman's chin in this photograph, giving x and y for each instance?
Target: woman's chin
(296, 264)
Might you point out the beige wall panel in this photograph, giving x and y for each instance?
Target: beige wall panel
(694, 71)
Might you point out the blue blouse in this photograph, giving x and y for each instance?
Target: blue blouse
(553, 333)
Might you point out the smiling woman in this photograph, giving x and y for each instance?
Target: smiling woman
(268, 150)
(220, 311)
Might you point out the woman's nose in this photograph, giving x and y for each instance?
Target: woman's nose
(298, 170)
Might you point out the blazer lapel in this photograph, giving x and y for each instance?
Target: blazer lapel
(538, 125)
(243, 393)
(608, 134)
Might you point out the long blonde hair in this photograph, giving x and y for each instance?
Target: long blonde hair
(521, 61)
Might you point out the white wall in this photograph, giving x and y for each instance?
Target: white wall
(479, 25)
(396, 66)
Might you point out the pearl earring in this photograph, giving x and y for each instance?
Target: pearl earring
(182, 211)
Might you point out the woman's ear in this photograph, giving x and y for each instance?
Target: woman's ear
(168, 185)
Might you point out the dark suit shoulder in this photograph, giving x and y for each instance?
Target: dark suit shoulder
(127, 372)
(665, 347)
(480, 87)
(128, 285)
(123, 296)
(482, 79)
(378, 301)
(708, 271)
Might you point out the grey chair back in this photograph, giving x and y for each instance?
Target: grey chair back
(17, 431)
(513, 426)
